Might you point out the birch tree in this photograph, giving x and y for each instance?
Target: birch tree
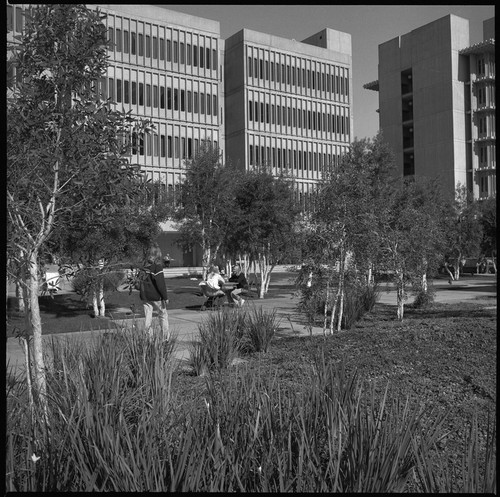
(66, 150)
(345, 215)
(206, 203)
(464, 230)
(264, 223)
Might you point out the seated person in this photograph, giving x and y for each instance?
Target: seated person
(241, 286)
(215, 281)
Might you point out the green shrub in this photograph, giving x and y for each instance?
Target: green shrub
(423, 298)
(358, 299)
(85, 281)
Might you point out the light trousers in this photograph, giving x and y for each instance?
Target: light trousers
(161, 307)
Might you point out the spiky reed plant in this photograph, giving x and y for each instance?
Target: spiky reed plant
(221, 333)
(111, 412)
(259, 328)
(475, 474)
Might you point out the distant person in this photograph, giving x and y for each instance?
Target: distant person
(215, 281)
(153, 292)
(166, 261)
(238, 277)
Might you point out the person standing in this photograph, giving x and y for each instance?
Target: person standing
(238, 277)
(153, 292)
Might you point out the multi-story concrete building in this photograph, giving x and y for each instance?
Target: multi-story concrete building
(259, 98)
(437, 104)
(166, 66)
(288, 103)
(482, 142)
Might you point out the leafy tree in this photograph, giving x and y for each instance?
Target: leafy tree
(206, 203)
(488, 218)
(264, 221)
(409, 227)
(464, 230)
(104, 247)
(66, 149)
(346, 212)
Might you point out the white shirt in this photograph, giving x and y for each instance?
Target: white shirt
(215, 280)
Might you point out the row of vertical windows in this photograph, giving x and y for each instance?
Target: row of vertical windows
(283, 158)
(159, 48)
(159, 145)
(297, 118)
(131, 92)
(298, 77)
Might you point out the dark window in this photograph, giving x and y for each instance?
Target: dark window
(19, 19)
(132, 43)
(214, 59)
(126, 92)
(183, 99)
(10, 18)
(148, 95)
(195, 104)
(111, 91)
(202, 103)
(182, 54)
(141, 45)
(118, 40)
(195, 55)
(189, 101)
(176, 99)
(141, 93)
(176, 52)
(207, 58)
(214, 105)
(249, 67)
(201, 57)
(209, 103)
(119, 90)
(111, 39)
(134, 93)
(188, 54)
(126, 47)
(250, 110)
(155, 47)
(169, 146)
(169, 98)
(162, 49)
(148, 46)
(155, 96)
(162, 97)
(169, 50)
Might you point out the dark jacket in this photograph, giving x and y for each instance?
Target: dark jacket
(153, 287)
(240, 280)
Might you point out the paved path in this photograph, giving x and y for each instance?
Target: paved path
(184, 322)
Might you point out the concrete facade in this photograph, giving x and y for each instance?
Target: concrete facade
(427, 105)
(288, 103)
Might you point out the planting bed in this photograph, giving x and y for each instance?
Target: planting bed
(443, 359)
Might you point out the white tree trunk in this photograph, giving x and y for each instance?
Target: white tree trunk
(95, 305)
(102, 304)
(20, 297)
(327, 298)
(425, 285)
(36, 328)
(343, 261)
(400, 291)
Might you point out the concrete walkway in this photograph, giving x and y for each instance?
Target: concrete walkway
(184, 322)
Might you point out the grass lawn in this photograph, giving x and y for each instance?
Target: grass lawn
(68, 312)
(443, 358)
